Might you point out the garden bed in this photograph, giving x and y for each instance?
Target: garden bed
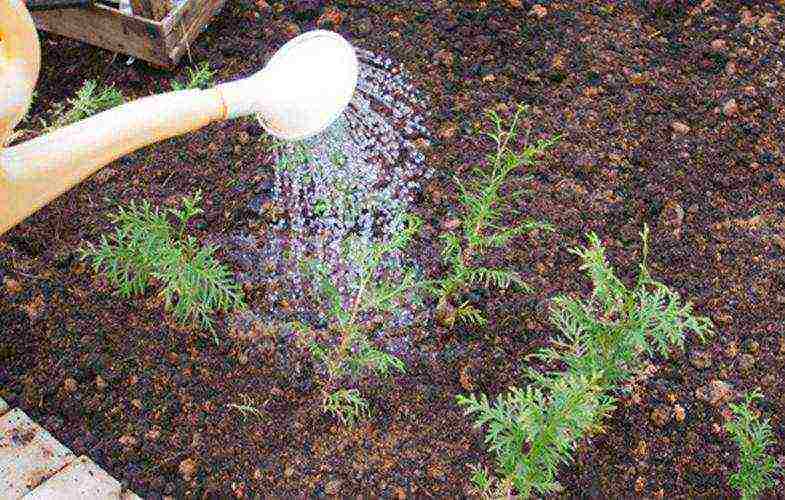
(661, 124)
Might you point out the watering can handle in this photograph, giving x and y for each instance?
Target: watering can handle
(20, 59)
(39, 170)
(35, 172)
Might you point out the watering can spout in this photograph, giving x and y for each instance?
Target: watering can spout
(304, 87)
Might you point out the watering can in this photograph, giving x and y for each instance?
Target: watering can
(304, 87)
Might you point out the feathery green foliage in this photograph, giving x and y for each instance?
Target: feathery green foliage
(757, 468)
(533, 431)
(201, 78)
(353, 353)
(247, 407)
(347, 404)
(610, 332)
(89, 100)
(146, 245)
(484, 205)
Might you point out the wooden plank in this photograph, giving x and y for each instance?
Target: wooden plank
(28, 455)
(108, 28)
(190, 26)
(184, 10)
(186, 13)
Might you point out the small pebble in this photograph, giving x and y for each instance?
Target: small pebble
(679, 413)
(187, 469)
(660, 416)
(680, 128)
(730, 108)
(100, 383)
(70, 385)
(719, 45)
(539, 11)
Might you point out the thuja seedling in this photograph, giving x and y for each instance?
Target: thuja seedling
(347, 351)
(483, 226)
(89, 100)
(611, 331)
(533, 431)
(147, 245)
(200, 78)
(290, 154)
(346, 404)
(757, 469)
(247, 407)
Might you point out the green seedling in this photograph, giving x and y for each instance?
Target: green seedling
(533, 431)
(147, 246)
(485, 206)
(89, 100)
(757, 469)
(199, 78)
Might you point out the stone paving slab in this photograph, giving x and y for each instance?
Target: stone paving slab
(28, 455)
(3, 407)
(80, 480)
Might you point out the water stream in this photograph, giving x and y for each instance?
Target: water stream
(353, 179)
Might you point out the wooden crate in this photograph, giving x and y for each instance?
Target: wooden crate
(150, 34)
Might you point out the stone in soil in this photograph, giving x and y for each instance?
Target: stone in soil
(700, 359)
(333, 487)
(12, 286)
(746, 362)
(719, 45)
(680, 128)
(187, 469)
(716, 393)
(100, 383)
(70, 385)
(730, 108)
(330, 19)
(679, 413)
(660, 416)
(538, 11)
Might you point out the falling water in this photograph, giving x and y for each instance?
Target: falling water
(353, 179)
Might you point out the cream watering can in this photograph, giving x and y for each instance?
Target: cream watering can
(304, 87)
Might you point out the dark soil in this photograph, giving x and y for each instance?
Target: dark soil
(151, 401)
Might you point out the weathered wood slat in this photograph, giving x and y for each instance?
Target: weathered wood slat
(184, 14)
(149, 34)
(189, 27)
(107, 28)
